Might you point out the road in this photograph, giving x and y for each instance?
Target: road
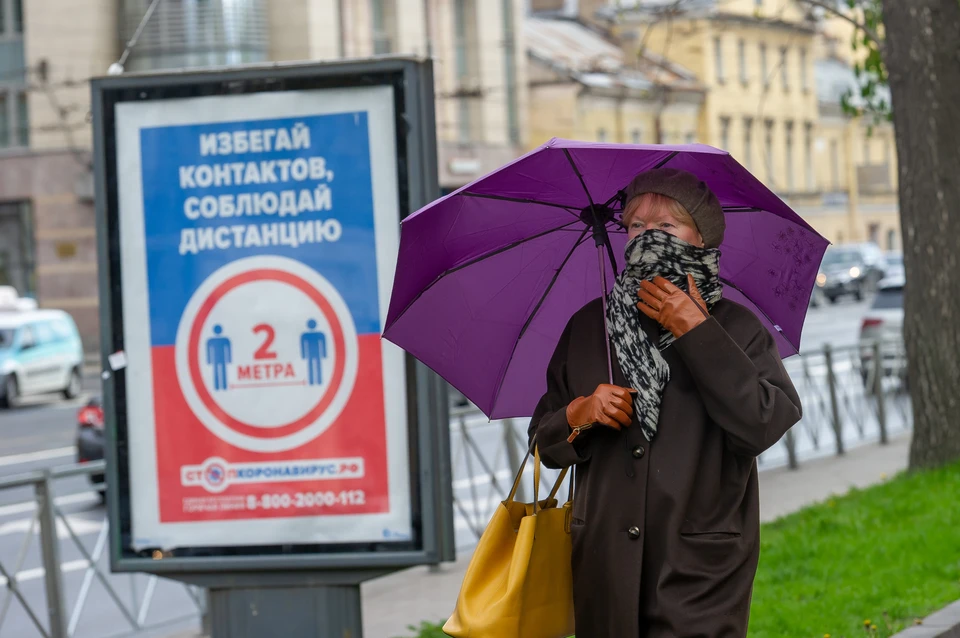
(838, 325)
(40, 435)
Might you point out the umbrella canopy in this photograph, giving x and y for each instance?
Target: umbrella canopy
(489, 275)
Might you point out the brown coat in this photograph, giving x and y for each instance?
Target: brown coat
(666, 533)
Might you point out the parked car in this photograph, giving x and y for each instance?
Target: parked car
(850, 270)
(883, 323)
(40, 353)
(90, 439)
(894, 264)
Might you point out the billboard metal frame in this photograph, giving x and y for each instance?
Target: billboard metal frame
(427, 407)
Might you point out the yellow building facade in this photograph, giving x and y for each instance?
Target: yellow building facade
(774, 74)
(582, 88)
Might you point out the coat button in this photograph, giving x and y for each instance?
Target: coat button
(638, 452)
(634, 533)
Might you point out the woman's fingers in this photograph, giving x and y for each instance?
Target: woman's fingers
(650, 300)
(608, 421)
(664, 285)
(617, 415)
(623, 406)
(650, 312)
(654, 289)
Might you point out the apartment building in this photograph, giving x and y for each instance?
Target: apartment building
(47, 228)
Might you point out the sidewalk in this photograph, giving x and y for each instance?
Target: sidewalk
(406, 598)
(392, 603)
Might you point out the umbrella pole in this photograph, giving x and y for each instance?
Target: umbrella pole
(606, 335)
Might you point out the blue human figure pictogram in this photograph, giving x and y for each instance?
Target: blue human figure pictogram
(313, 348)
(219, 355)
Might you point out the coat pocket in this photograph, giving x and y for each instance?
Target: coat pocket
(717, 536)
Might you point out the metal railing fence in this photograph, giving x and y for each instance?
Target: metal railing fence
(59, 613)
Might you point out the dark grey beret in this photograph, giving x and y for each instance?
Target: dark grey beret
(692, 193)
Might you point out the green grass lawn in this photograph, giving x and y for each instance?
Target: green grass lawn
(889, 555)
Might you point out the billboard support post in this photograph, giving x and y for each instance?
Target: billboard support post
(325, 610)
(262, 441)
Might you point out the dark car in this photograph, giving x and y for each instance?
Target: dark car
(850, 270)
(90, 440)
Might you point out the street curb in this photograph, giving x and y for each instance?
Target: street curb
(942, 624)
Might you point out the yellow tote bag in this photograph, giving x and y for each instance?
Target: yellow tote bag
(519, 583)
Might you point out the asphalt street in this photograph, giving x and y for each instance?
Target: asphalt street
(41, 435)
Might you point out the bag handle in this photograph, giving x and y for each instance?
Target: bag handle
(536, 479)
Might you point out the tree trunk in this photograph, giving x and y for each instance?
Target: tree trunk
(922, 57)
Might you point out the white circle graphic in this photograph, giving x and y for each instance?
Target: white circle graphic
(266, 354)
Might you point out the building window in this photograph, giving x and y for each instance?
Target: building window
(17, 16)
(602, 135)
(17, 247)
(5, 125)
(23, 120)
(465, 62)
(384, 26)
(758, 4)
(873, 232)
(835, 165)
(764, 72)
(804, 84)
(725, 133)
(636, 137)
(866, 150)
(748, 142)
(891, 239)
(808, 155)
(768, 149)
(742, 56)
(784, 69)
(718, 58)
(691, 138)
(788, 129)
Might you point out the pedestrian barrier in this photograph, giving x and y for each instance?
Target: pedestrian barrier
(49, 615)
(851, 396)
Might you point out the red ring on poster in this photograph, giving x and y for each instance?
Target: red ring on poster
(194, 345)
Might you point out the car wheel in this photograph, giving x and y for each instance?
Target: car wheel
(861, 292)
(832, 299)
(11, 394)
(72, 391)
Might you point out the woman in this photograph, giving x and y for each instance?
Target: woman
(665, 522)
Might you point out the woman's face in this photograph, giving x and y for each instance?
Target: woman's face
(646, 212)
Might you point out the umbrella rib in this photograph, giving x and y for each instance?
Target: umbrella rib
(667, 159)
(742, 209)
(520, 200)
(536, 310)
(480, 258)
(613, 261)
(504, 249)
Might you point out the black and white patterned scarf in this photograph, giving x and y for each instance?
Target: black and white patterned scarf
(654, 253)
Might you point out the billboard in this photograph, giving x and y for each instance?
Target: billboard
(256, 239)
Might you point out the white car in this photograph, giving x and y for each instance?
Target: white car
(40, 353)
(883, 323)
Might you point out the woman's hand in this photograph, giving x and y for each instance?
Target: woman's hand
(609, 405)
(671, 307)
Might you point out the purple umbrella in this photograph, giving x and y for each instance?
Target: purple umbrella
(489, 275)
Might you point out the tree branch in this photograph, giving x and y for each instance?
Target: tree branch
(843, 16)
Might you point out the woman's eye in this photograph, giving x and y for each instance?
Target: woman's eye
(666, 225)
(636, 225)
